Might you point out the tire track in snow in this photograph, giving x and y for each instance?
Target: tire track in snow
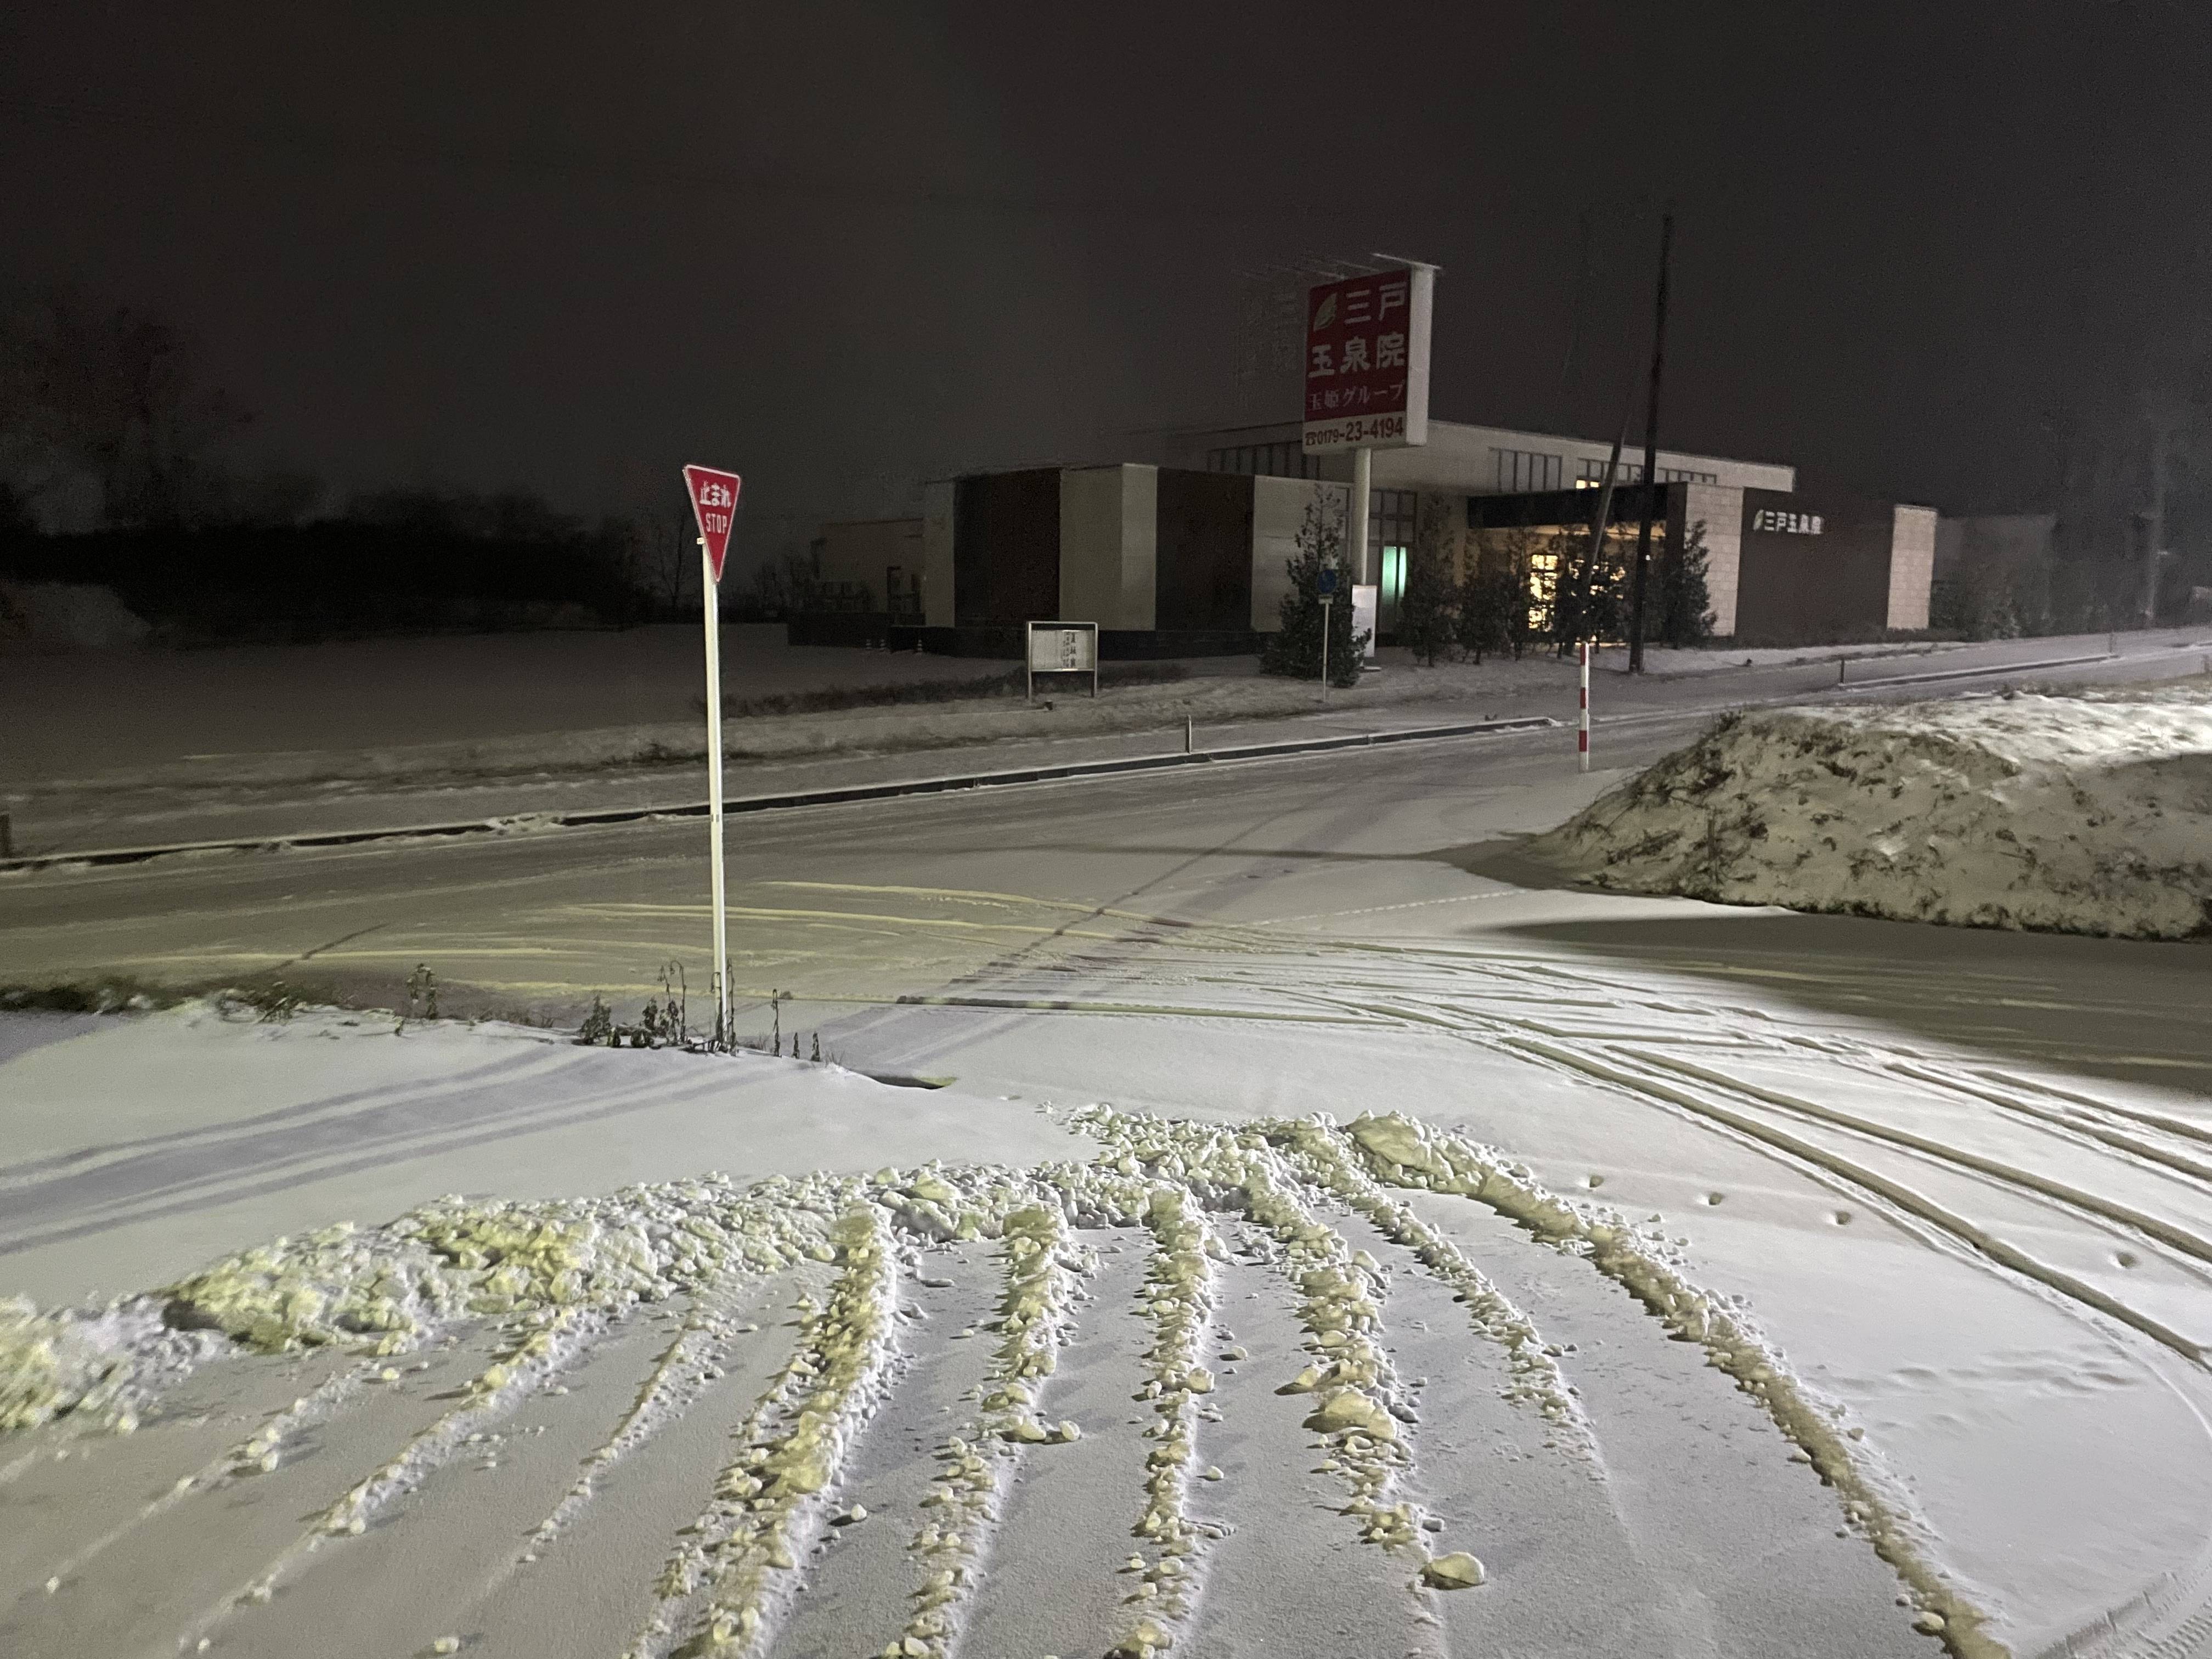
(1516, 1033)
(2172, 1126)
(2081, 1120)
(723, 1589)
(717, 1595)
(533, 1363)
(1178, 1297)
(1043, 1266)
(2008, 1174)
(1905, 1199)
(260, 1454)
(1410, 1154)
(1332, 1165)
(679, 1376)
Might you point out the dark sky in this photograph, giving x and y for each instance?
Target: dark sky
(840, 245)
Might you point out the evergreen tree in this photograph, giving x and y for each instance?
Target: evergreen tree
(1424, 609)
(1492, 609)
(1685, 615)
(1590, 599)
(1295, 649)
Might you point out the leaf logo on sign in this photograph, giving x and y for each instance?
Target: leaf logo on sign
(1325, 313)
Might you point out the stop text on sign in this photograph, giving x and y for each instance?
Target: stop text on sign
(713, 499)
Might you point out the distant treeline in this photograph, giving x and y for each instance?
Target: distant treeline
(390, 565)
(107, 424)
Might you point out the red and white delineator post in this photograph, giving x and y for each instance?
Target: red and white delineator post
(1582, 730)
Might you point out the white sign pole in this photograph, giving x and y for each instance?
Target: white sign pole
(712, 612)
(1363, 492)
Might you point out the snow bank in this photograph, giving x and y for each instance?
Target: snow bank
(2076, 814)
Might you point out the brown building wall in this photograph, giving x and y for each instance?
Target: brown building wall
(1006, 548)
(1800, 585)
(1204, 574)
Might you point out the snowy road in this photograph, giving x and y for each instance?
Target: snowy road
(84, 778)
(1957, 1186)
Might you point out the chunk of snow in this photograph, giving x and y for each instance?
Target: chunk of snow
(1458, 1570)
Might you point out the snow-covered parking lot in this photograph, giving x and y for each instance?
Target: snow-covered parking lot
(1319, 1202)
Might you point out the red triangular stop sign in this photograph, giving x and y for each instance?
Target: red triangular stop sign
(714, 504)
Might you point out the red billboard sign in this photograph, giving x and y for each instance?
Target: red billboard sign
(714, 505)
(1367, 359)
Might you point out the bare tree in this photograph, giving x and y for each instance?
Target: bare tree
(110, 393)
(662, 554)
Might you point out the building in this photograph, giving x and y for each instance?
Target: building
(1167, 561)
(869, 566)
(1781, 567)
(1186, 557)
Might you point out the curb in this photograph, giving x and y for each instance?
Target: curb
(1983, 672)
(841, 795)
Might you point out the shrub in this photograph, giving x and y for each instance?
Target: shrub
(1296, 649)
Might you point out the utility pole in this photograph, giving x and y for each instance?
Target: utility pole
(1650, 452)
(1599, 526)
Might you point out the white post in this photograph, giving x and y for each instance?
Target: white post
(1581, 733)
(1361, 493)
(724, 1012)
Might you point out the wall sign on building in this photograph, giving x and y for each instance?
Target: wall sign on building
(1789, 524)
(1367, 360)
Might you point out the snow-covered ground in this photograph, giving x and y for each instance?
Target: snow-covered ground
(1129, 1381)
(1716, 1277)
(2086, 813)
(1939, 1315)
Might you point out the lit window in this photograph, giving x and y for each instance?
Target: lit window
(1590, 475)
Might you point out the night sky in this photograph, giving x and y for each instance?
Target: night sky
(842, 246)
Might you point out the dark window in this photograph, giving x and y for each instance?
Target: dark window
(1522, 472)
(1286, 459)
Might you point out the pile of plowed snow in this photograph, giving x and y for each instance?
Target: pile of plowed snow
(2088, 814)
